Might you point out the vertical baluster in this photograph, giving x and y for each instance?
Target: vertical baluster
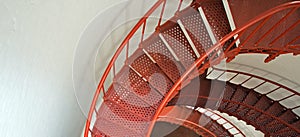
(161, 13)
(127, 49)
(286, 31)
(272, 90)
(233, 77)
(91, 131)
(246, 80)
(254, 31)
(114, 69)
(220, 75)
(286, 97)
(274, 26)
(234, 41)
(103, 90)
(259, 85)
(212, 69)
(295, 107)
(292, 41)
(96, 112)
(179, 5)
(143, 30)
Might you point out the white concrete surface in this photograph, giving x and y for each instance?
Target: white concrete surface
(37, 43)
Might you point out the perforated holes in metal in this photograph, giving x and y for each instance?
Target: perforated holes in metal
(152, 73)
(217, 18)
(177, 41)
(135, 84)
(130, 101)
(106, 128)
(116, 114)
(96, 132)
(192, 21)
(159, 52)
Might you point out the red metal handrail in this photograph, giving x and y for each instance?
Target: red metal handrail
(227, 121)
(216, 47)
(140, 24)
(259, 77)
(189, 122)
(248, 106)
(171, 118)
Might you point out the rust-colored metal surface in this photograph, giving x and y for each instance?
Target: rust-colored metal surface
(247, 104)
(274, 35)
(204, 122)
(188, 118)
(153, 74)
(162, 56)
(179, 43)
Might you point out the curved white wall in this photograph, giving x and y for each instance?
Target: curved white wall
(37, 43)
(37, 46)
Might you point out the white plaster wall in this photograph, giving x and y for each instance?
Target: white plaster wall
(37, 43)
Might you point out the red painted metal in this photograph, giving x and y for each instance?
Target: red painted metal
(187, 118)
(273, 27)
(259, 77)
(173, 114)
(286, 31)
(248, 106)
(112, 61)
(143, 31)
(254, 31)
(162, 13)
(217, 46)
(274, 108)
(173, 88)
(179, 5)
(227, 121)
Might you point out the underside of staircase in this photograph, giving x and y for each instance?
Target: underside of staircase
(131, 105)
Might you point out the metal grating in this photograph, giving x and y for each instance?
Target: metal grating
(132, 100)
(164, 59)
(196, 29)
(129, 101)
(217, 18)
(151, 72)
(116, 114)
(135, 84)
(177, 41)
(109, 128)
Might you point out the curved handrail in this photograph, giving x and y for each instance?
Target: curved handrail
(140, 24)
(179, 120)
(248, 106)
(189, 122)
(268, 72)
(227, 121)
(112, 61)
(259, 77)
(198, 110)
(217, 46)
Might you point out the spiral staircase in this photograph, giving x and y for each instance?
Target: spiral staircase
(166, 83)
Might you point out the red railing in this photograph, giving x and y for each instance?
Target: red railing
(219, 47)
(223, 123)
(250, 76)
(212, 114)
(261, 81)
(179, 115)
(141, 24)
